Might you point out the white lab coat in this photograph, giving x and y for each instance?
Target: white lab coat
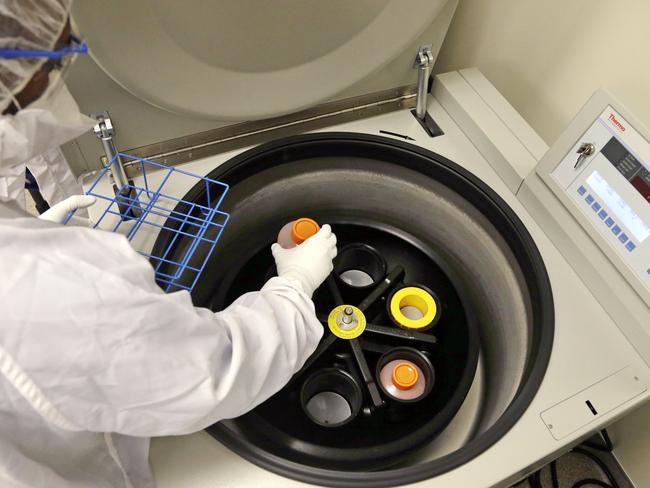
(95, 358)
(53, 175)
(31, 139)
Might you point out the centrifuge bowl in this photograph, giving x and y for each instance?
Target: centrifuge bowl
(450, 233)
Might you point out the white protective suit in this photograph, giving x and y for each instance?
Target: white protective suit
(30, 139)
(54, 117)
(95, 358)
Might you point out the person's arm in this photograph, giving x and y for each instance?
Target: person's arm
(113, 353)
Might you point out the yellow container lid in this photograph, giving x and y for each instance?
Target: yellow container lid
(413, 296)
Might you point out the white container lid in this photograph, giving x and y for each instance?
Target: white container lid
(247, 59)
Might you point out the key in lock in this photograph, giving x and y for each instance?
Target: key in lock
(585, 149)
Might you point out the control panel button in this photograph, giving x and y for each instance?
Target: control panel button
(609, 221)
(630, 246)
(581, 190)
(623, 237)
(596, 207)
(589, 199)
(616, 229)
(602, 214)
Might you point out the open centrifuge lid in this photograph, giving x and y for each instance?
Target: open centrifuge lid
(245, 59)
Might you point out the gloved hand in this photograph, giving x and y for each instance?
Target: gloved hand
(309, 263)
(59, 212)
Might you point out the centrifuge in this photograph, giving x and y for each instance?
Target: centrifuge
(489, 306)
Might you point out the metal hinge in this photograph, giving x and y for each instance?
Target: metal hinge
(423, 63)
(126, 198)
(104, 130)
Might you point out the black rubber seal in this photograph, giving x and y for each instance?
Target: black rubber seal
(491, 205)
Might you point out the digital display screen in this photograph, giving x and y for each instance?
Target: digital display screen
(619, 206)
(629, 166)
(642, 185)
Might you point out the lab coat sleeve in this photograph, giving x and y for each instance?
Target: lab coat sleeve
(113, 353)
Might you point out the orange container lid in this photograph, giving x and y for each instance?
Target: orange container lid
(302, 229)
(405, 376)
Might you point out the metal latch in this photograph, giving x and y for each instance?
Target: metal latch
(127, 199)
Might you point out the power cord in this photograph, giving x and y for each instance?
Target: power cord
(601, 465)
(591, 481)
(554, 481)
(606, 446)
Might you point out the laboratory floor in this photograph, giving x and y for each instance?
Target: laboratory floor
(577, 468)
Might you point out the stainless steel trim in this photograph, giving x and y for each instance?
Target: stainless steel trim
(203, 144)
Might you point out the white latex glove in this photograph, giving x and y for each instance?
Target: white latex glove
(309, 263)
(60, 211)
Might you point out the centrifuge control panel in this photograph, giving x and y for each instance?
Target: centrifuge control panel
(607, 177)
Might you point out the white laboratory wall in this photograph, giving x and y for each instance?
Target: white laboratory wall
(547, 57)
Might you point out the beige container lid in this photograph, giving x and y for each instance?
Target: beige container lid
(247, 59)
